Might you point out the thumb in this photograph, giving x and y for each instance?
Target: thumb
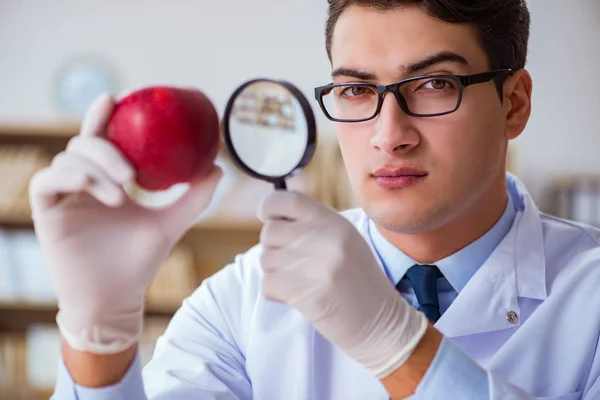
(182, 214)
(97, 116)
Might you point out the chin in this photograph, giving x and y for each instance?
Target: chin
(396, 221)
(406, 216)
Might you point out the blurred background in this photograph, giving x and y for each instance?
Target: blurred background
(57, 55)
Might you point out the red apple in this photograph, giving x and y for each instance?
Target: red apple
(170, 135)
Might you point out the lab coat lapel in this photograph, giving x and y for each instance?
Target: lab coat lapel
(515, 269)
(484, 303)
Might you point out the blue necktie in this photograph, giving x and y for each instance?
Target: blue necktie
(423, 279)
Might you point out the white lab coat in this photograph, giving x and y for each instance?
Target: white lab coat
(227, 338)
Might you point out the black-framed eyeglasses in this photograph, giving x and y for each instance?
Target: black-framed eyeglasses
(422, 96)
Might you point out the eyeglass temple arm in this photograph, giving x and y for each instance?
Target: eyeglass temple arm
(485, 76)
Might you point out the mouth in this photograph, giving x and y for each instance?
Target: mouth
(398, 178)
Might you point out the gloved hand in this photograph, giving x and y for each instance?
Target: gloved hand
(315, 261)
(102, 249)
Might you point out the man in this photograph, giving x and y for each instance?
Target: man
(446, 284)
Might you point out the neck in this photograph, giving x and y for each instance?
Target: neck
(430, 247)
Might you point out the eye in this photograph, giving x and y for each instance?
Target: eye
(354, 91)
(438, 84)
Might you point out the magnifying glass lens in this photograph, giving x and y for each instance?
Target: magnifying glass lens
(269, 130)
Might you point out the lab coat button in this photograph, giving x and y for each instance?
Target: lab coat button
(512, 317)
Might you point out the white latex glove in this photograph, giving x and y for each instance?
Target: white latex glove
(315, 261)
(102, 249)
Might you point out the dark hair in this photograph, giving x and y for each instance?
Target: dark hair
(502, 25)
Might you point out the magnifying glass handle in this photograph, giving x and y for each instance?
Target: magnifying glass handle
(280, 184)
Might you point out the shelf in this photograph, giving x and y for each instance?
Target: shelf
(16, 222)
(16, 317)
(228, 225)
(53, 130)
(43, 394)
(26, 393)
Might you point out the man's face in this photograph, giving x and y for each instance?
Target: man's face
(459, 153)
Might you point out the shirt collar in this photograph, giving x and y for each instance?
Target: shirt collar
(459, 267)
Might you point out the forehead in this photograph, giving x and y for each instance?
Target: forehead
(381, 42)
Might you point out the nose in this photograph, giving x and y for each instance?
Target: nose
(395, 132)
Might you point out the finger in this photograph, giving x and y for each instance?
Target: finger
(290, 205)
(181, 215)
(286, 259)
(105, 155)
(97, 116)
(48, 186)
(271, 288)
(279, 233)
(282, 278)
(272, 260)
(98, 184)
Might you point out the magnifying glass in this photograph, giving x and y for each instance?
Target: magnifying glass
(269, 130)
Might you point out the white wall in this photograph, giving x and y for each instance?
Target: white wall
(215, 45)
(563, 137)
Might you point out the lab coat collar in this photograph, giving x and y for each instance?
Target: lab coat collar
(529, 251)
(515, 269)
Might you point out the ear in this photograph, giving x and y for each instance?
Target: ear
(517, 103)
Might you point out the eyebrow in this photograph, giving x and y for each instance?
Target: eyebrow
(443, 57)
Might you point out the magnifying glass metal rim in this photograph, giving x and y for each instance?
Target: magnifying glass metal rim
(311, 144)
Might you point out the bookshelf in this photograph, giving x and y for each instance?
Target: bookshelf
(206, 247)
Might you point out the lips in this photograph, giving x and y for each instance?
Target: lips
(399, 172)
(398, 178)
